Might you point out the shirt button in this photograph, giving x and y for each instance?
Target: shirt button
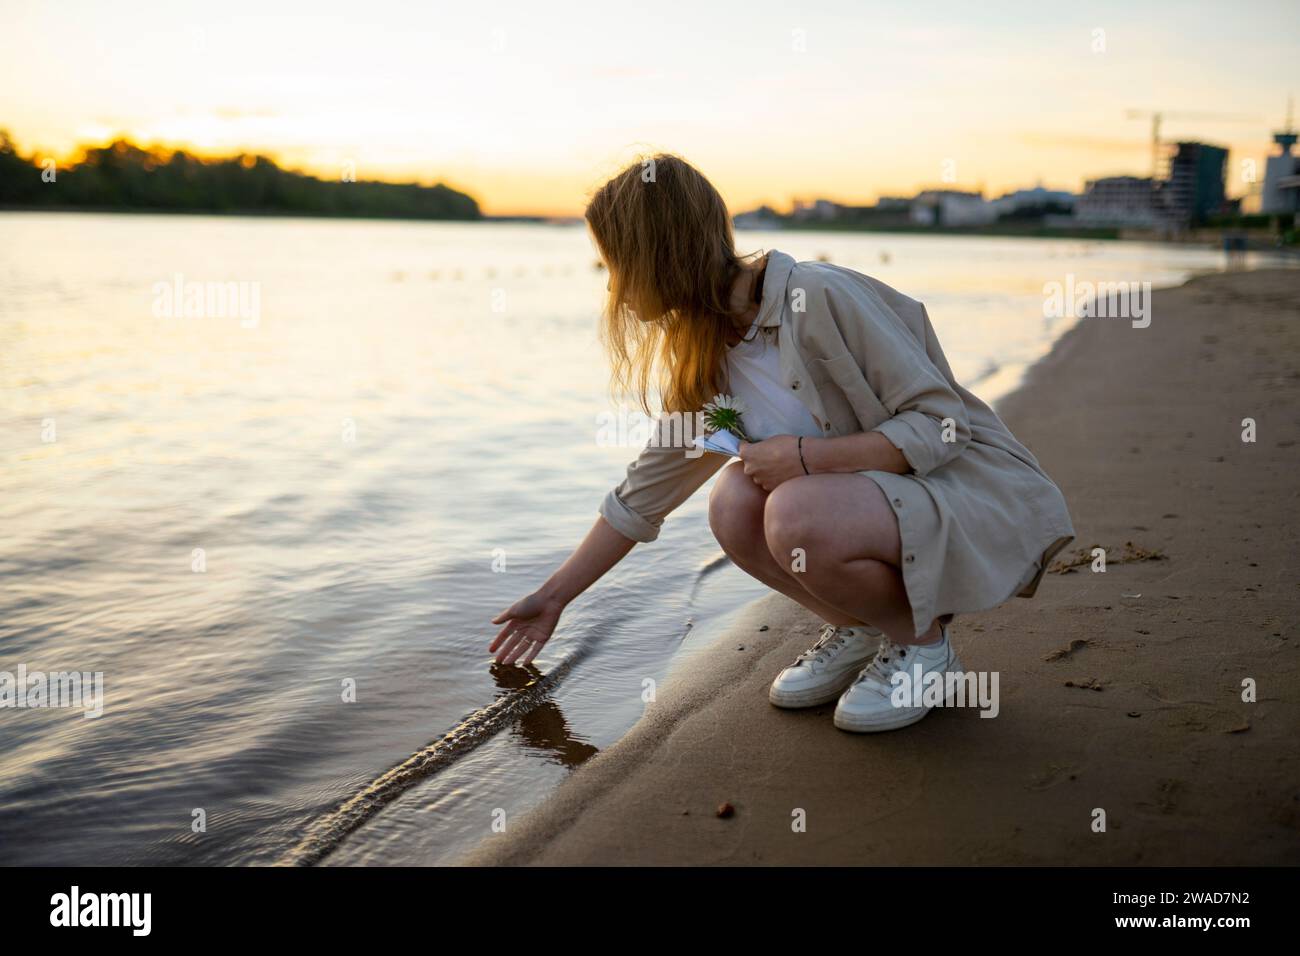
(910, 558)
(795, 383)
(898, 502)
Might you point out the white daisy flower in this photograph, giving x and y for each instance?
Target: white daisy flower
(723, 414)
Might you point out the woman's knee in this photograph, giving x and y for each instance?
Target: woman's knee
(793, 520)
(832, 518)
(736, 509)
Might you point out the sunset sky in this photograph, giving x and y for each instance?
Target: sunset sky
(527, 106)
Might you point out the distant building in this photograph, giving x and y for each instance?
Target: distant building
(894, 204)
(1195, 189)
(764, 217)
(889, 212)
(1036, 200)
(1119, 201)
(951, 207)
(818, 209)
(1281, 194)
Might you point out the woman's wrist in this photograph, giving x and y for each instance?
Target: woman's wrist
(553, 593)
(813, 454)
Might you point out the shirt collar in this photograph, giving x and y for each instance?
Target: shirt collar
(777, 277)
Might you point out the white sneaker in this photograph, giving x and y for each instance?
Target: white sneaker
(819, 674)
(867, 706)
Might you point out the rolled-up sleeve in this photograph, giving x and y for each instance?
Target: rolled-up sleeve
(624, 520)
(657, 482)
(929, 424)
(919, 427)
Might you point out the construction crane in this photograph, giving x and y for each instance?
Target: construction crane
(1158, 116)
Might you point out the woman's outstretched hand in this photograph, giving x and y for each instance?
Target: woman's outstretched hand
(529, 623)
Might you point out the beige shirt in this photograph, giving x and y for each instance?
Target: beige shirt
(864, 357)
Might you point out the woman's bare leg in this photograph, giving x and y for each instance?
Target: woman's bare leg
(736, 507)
(849, 534)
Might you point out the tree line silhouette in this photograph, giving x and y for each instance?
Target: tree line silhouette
(124, 176)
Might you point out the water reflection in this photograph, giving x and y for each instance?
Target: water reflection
(544, 728)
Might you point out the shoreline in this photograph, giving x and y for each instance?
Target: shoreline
(569, 222)
(1119, 691)
(1261, 239)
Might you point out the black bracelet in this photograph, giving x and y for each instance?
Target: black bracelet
(801, 461)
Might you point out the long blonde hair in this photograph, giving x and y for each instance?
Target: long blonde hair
(665, 235)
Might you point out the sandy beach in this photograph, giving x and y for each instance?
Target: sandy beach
(1120, 691)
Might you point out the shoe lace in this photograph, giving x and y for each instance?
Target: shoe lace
(889, 659)
(830, 641)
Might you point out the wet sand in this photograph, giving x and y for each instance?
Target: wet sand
(1120, 691)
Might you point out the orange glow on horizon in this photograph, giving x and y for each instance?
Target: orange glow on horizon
(562, 193)
(529, 109)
